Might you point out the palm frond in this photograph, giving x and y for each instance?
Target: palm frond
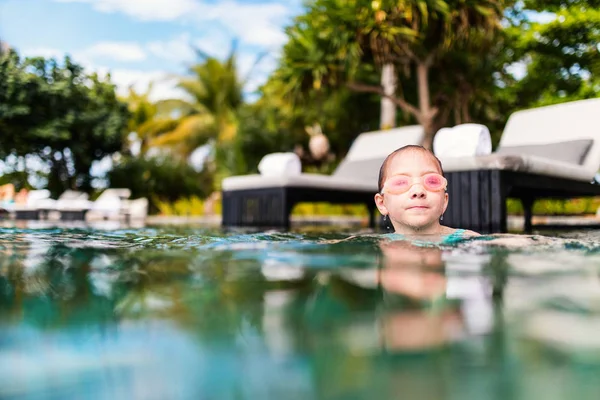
(189, 133)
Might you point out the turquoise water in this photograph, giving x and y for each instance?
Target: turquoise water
(184, 313)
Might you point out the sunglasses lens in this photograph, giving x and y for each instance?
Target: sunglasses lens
(433, 181)
(398, 184)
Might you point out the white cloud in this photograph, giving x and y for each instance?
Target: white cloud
(164, 86)
(253, 23)
(119, 51)
(46, 52)
(255, 73)
(177, 49)
(215, 43)
(49, 52)
(146, 10)
(181, 48)
(218, 44)
(163, 83)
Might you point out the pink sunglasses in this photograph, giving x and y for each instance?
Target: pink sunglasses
(398, 184)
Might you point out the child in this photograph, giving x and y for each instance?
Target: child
(412, 193)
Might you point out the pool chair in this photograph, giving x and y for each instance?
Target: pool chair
(546, 152)
(266, 200)
(72, 205)
(109, 204)
(31, 208)
(114, 204)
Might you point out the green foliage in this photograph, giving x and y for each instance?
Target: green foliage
(583, 206)
(315, 209)
(471, 48)
(17, 178)
(60, 114)
(160, 179)
(276, 124)
(436, 49)
(561, 55)
(209, 116)
(144, 118)
(329, 73)
(181, 207)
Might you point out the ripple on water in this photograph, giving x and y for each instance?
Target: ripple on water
(295, 314)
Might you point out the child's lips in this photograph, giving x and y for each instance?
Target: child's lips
(417, 208)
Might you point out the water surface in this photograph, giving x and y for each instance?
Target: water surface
(184, 313)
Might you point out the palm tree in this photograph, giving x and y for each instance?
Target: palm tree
(209, 114)
(143, 119)
(440, 26)
(410, 36)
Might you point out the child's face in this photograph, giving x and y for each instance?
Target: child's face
(417, 209)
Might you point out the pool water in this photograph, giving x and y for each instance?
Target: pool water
(188, 313)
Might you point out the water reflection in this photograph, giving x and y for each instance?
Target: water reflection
(184, 314)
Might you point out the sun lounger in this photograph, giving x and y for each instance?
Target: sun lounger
(261, 200)
(31, 209)
(114, 204)
(109, 204)
(73, 205)
(546, 152)
(136, 209)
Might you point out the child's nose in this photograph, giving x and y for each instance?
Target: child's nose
(418, 191)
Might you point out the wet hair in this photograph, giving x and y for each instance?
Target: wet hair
(410, 147)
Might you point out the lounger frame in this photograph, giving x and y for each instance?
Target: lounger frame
(271, 207)
(478, 187)
(477, 200)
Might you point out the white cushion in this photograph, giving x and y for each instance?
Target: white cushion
(462, 141)
(280, 164)
(522, 163)
(558, 123)
(73, 205)
(367, 153)
(256, 181)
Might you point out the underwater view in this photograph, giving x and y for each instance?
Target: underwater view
(192, 313)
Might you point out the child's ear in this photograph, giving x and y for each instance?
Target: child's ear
(379, 203)
(445, 202)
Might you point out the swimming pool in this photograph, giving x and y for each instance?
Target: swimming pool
(190, 313)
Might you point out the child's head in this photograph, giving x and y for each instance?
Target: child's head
(412, 190)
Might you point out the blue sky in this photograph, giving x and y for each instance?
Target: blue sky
(143, 40)
(139, 41)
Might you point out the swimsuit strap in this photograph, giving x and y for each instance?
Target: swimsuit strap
(454, 237)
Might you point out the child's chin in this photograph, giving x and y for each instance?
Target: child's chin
(420, 221)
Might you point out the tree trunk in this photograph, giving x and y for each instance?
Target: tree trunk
(388, 108)
(457, 114)
(465, 111)
(426, 114)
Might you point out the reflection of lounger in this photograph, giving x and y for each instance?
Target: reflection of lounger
(114, 204)
(546, 152)
(258, 200)
(30, 209)
(72, 205)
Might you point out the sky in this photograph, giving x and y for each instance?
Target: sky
(139, 41)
